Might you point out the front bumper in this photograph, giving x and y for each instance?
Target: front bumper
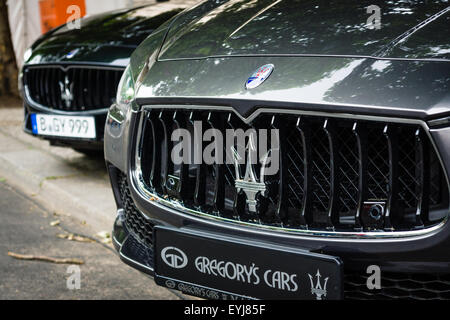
(415, 273)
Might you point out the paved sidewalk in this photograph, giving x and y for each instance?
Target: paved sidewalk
(62, 180)
(29, 229)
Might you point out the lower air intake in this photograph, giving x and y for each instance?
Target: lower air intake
(135, 222)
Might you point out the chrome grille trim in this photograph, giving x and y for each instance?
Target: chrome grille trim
(178, 208)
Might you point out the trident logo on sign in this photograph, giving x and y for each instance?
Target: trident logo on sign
(318, 290)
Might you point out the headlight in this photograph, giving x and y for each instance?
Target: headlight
(125, 94)
(20, 84)
(27, 55)
(125, 91)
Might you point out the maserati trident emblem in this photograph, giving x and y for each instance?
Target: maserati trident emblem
(318, 290)
(72, 53)
(249, 184)
(66, 91)
(259, 76)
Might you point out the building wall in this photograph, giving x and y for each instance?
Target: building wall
(24, 20)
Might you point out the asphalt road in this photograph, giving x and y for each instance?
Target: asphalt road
(26, 229)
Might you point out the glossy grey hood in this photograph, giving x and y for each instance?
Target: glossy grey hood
(408, 29)
(413, 89)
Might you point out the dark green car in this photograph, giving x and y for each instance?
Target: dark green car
(356, 96)
(70, 76)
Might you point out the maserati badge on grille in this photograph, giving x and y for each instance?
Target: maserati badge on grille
(259, 76)
(249, 184)
(66, 91)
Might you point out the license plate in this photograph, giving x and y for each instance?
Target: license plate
(63, 126)
(221, 268)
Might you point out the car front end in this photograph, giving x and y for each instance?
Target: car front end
(362, 186)
(70, 75)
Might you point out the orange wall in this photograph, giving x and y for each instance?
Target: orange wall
(54, 12)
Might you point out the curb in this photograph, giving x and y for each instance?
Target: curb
(55, 185)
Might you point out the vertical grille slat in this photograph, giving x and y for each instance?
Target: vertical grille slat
(347, 173)
(91, 87)
(46, 81)
(334, 175)
(218, 168)
(99, 88)
(36, 86)
(321, 174)
(59, 101)
(84, 105)
(157, 138)
(279, 200)
(200, 168)
(107, 88)
(78, 90)
(333, 213)
(56, 91)
(392, 209)
(304, 128)
(70, 105)
(164, 118)
(212, 203)
(177, 176)
(422, 176)
(294, 168)
(146, 154)
(361, 138)
(37, 95)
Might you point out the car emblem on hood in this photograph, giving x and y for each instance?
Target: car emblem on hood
(72, 53)
(259, 76)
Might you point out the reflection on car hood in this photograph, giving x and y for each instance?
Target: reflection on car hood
(321, 27)
(122, 29)
(118, 28)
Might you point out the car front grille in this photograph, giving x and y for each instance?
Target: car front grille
(72, 88)
(335, 174)
(135, 222)
(398, 286)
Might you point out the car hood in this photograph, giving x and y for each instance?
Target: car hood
(122, 30)
(406, 29)
(377, 87)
